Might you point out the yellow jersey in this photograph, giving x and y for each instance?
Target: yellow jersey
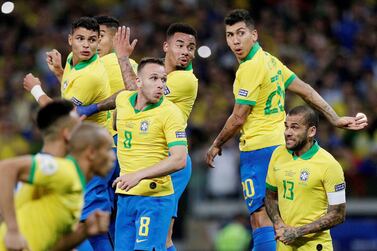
(261, 80)
(182, 89)
(114, 73)
(44, 220)
(86, 83)
(144, 139)
(305, 185)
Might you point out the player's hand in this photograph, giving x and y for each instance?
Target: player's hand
(97, 223)
(122, 45)
(14, 241)
(127, 181)
(359, 122)
(287, 234)
(30, 81)
(54, 62)
(211, 154)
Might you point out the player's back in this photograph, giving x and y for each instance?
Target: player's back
(44, 220)
(144, 138)
(261, 80)
(182, 89)
(86, 83)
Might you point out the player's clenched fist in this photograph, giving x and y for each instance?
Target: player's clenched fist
(54, 60)
(97, 223)
(14, 241)
(30, 81)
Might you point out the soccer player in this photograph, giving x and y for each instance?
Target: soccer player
(148, 125)
(181, 86)
(84, 81)
(62, 180)
(259, 90)
(305, 194)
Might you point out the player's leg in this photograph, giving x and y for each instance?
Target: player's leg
(180, 181)
(253, 168)
(153, 221)
(125, 232)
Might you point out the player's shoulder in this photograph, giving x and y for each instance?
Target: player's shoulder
(125, 94)
(49, 164)
(109, 59)
(169, 107)
(327, 157)
(183, 75)
(280, 151)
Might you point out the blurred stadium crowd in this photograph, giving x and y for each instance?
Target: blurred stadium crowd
(329, 44)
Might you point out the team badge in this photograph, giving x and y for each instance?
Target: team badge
(144, 125)
(304, 176)
(166, 91)
(48, 165)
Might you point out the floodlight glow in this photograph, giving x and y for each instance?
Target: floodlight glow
(7, 7)
(204, 51)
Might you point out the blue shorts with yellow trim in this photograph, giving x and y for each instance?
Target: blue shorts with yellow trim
(180, 181)
(142, 222)
(253, 169)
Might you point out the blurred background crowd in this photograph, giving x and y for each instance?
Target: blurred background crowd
(329, 44)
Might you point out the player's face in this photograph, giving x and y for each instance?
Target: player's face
(152, 79)
(180, 50)
(105, 45)
(297, 132)
(105, 157)
(240, 39)
(84, 44)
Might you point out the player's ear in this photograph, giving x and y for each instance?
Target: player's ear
(165, 46)
(138, 82)
(312, 131)
(70, 40)
(254, 35)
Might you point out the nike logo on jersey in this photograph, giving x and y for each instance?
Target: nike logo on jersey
(138, 241)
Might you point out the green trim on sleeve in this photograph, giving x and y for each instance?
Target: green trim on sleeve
(177, 143)
(289, 81)
(245, 102)
(32, 170)
(272, 188)
(79, 171)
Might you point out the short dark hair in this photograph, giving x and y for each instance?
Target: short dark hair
(48, 115)
(88, 23)
(149, 60)
(180, 27)
(310, 116)
(239, 15)
(108, 21)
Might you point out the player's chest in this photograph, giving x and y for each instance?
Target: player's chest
(140, 125)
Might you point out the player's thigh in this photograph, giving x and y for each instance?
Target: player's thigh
(253, 172)
(153, 221)
(125, 233)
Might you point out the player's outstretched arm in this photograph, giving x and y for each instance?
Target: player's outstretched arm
(123, 49)
(33, 85)
(312, 97)
(231, 127)
(175, 162)
(12, 171)
(105, 105)
(96, 223)
(54, 63)
(335, 215)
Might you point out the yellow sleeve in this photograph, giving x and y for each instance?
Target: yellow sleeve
(287, 75)
(271, 180)
(333, 178)
(46, 171)
(248, 83)
(174, 128)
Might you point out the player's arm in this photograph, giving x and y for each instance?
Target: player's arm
(105, 105)
(306, 92)
(175, 162)
(115, 120)
(33, 85)
(54, 63)
(12, 171)
(272, 207)
(96, 223)
(231, 127)
(124, 49)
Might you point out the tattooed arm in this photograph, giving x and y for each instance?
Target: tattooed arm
(129, 77)
(272, 207)
(231, 127)
(335, 215)
(311, 97)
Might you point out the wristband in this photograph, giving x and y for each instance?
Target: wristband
(37, 92)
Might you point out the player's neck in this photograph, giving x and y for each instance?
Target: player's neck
(141, 102)
(56, 148)
(169, 67)
(304, 149)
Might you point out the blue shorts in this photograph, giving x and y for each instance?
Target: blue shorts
(99, 193)
(253, 169)
(180, 180)
(143, 222)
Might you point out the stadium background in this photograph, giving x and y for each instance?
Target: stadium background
(329, 44)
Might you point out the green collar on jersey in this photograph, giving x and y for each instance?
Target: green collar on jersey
(148, 107)
(79, 171)
(309, 154)
(252, 52)
(189, 67)
(82, 64)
